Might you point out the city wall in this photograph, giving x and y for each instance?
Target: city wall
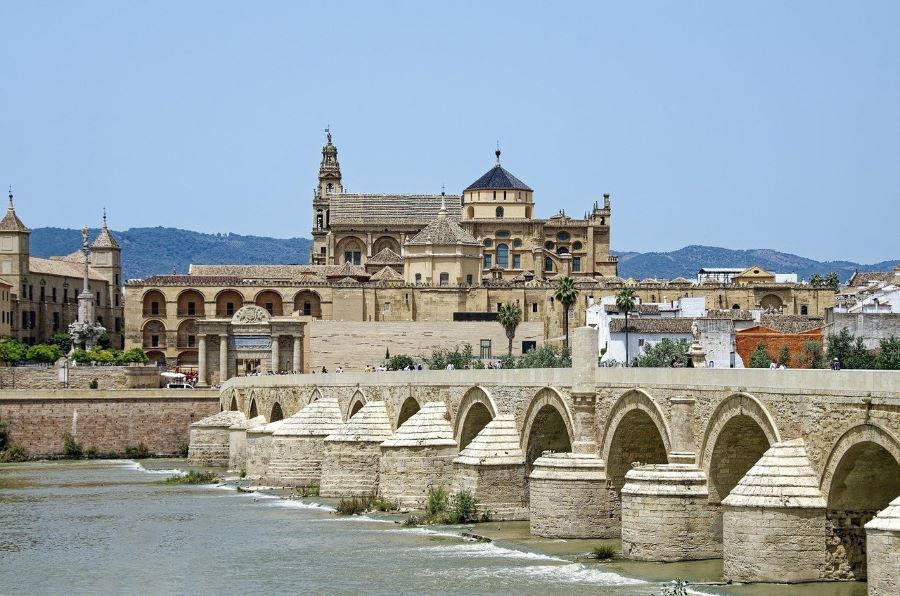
(109, 421)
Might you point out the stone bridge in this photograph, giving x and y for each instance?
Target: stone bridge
(807, 457)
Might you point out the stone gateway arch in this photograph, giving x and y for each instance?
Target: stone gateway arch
(681, 463)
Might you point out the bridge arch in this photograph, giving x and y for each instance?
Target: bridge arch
(409, 407)
(739, 431)
(860, 478)
(548, 425)
(254, 410)
(476, 409)
(233, 401)
(277, 413)
(636, 431)
(356, 403)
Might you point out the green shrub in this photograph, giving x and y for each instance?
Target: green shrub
(304, 491)
(71, 447)
(604, 552)
(4, 436)
(382, 504)
(132, 356)
(137, 452)
(13, 453)
(399, 362)
(94, 384)
(91, 453)
(352, 506)
(463, 508)
(44, 353)
(663, 353)
(678, 587)
(192, 477)
(183, 450)
(63, 340)
(760, 357)
(437, 501)
(411, 521)
(12, 350)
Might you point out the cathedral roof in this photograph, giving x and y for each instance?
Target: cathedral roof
(443, 231)
(385, 257)
(391, 209)
(386, 274)
(498, 178)
(61, 268)
(11, 222)
(348, 270)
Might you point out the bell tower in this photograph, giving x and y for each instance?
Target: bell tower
(14, 246)
(329, 184)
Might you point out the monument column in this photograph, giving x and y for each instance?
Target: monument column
(298, 350)
(223, 357)
(201, 360)
(275, 349)
(584, 394)
(682, 430)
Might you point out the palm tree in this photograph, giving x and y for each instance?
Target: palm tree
(625, 303)
(566, 294)
(509, 315)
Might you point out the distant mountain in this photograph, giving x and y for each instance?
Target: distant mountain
(149, 251)
(685, 262)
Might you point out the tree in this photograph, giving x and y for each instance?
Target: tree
(566, 294)
(399, 362)
(625, 301)
(889, 355)
(849, 349)
(12, 350)
(760, 357)
(63, 340)
(815, 280)
(784, 356)
(44, 353)
(509, 315)
(663, 353)
(833, 281)
(812, 356)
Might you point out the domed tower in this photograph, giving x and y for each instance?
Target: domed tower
(14, 247)
(329, 184)
(497, 195)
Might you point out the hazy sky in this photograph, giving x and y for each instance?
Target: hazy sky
(738, 124)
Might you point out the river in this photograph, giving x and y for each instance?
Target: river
(105, 527)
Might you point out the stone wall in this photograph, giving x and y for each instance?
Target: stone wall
(774, 545)
(47, 377)
(872, 327)
(499, 490)
(353, 346)
(295, 460)
(883, 562)
(350, 469)
(407, 474)
(108, 421)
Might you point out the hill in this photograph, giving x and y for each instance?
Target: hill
(149, 251)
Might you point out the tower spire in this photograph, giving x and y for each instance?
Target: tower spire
(10, 199)
(497, 153)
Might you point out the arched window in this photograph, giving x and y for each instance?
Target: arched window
(499, 212)
(488, 242)
(548, 264)
(329, 188)
(503, 255)
(548, 245)
(562, 250)
(320, 219)
(804, 310)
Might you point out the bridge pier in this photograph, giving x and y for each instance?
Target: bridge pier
(774, 520)
(492, 467)
(237, 442)
(665, 510)
(259, 449)
(297, 446)
(883, 551)
(209, 441)
(418, 457)
(352, 453)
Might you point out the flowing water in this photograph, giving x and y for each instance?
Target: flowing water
(105, 527)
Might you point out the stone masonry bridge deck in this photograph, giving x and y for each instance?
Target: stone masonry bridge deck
(825, 445)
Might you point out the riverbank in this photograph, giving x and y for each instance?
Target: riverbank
(107, 527)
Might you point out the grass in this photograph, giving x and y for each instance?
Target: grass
(13, 453)
(358, 505)
(139, 451)
(604, 552)
(443, 508)
(306, 491)
(71, 447)
(192, 477)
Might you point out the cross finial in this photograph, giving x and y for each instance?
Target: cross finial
(497, 153)
(104, 217)
(442, 189)
(10, 196)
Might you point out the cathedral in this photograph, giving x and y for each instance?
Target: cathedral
(405, 274)
(489, 233)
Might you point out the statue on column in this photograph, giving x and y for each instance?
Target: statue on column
(85, 331)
